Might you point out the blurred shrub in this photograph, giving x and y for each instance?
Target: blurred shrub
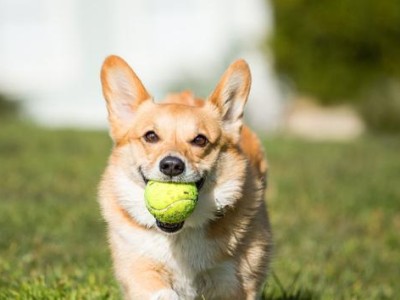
(335, 49)
(9, 107)
(380, 107)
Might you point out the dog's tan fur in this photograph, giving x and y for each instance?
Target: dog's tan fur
(223, 250)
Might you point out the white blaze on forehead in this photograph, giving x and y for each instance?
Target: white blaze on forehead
(177, 127)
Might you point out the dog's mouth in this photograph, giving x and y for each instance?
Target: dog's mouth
(199, 183)
(169, 228)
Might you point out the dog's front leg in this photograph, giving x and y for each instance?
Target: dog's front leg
(141, 277)
(144, 279)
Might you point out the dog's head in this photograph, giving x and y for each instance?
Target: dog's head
(181, 140)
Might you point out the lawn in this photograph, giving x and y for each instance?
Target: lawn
(335, 212)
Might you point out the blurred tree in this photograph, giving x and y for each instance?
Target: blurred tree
(9, 107)
(336, 49)
(380, 107)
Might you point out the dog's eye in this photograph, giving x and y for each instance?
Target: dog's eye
(200, 141)
(151, 137)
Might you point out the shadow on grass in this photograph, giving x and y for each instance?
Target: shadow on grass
(292, 292)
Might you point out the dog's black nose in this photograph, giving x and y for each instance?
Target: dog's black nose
(172, 166)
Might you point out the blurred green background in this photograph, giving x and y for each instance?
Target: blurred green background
(334, 209)
(342, 51)
(334, 205)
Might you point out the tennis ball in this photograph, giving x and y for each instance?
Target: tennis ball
(170, 202)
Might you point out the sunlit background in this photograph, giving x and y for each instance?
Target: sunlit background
(325, 101)
(51, 52)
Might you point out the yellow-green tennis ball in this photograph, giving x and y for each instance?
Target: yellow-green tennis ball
(170, 202)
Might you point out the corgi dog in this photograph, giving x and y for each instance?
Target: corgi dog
(222, 250)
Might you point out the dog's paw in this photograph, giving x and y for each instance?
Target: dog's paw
(165, 294)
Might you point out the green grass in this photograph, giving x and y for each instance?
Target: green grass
(335, 212)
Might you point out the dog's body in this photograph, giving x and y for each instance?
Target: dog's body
(222, 250)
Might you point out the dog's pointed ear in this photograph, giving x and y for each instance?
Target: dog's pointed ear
(230, 96)
(123, 92)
